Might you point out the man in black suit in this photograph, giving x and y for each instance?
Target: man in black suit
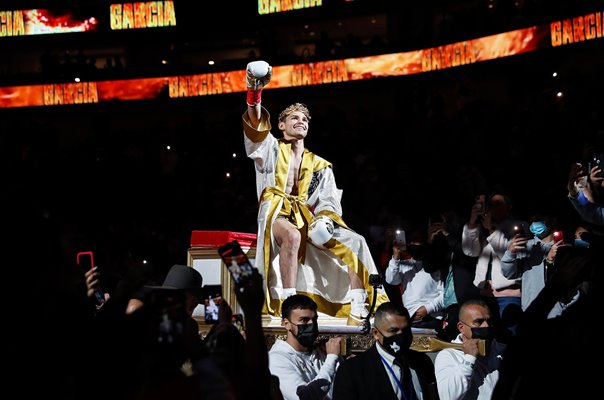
(389, 369)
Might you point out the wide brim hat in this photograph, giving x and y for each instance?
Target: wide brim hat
(185, 278)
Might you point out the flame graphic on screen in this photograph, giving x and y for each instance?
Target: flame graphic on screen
(21, 96)
(507, 44)
(40, 22)
(397, 64)
(132, 89)
(485, 48)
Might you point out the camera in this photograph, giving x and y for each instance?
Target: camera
(376, 280)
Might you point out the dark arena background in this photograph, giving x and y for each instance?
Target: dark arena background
(129, 174)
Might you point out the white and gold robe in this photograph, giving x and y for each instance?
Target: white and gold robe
(323, 270)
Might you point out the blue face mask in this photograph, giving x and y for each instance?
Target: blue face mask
(539, 229)
(581, 243)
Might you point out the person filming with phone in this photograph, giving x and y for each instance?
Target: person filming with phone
(422, 291)
(487, 236)
(533, 258)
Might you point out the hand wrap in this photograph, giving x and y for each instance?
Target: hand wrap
(258, 75)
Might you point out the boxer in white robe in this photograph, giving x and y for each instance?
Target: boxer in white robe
(297, 190)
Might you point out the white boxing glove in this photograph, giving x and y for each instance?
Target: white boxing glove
(258, 75)
(320, 230)
(259, 69)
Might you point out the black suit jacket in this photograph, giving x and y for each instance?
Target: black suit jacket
(365, 377)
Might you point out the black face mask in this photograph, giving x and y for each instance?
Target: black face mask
(587, 236)
(544, 234)
(485, 333)
(397, 344)
(307, 333)
(454, 227)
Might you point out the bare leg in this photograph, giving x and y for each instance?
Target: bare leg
(288, 238)
(355, 282)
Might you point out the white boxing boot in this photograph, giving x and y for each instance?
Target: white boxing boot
(287, 292)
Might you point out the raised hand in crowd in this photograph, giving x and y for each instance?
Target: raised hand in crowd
(522, 376)
(553, 251)
(480, 215)
(517, 244)
(93, 281)
(258, 381)
(577, 179)
(94, 291)
(596, 176)
(436, 228)
(573, 266)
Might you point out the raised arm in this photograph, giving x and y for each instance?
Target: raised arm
(250, 296)
(258, 75)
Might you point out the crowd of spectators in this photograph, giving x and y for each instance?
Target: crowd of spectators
(137, 177)
(102, 177)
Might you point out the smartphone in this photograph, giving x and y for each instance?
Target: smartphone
(399, 236)
(168, 310)
(236, 261)
(597, 160)
(212, 300)
(519, 228)
(480, 202)
(238, 321)
(436, 219)
(558, 236)
(85, 259)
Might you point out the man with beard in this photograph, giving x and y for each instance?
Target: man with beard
(305, 371)
(389, 369)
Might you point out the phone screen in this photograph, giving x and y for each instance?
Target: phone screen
(399, 236)
(236, 261)
(480, 202)
(168, 311)
(521, 229)
(212, 300)
(238, 321)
